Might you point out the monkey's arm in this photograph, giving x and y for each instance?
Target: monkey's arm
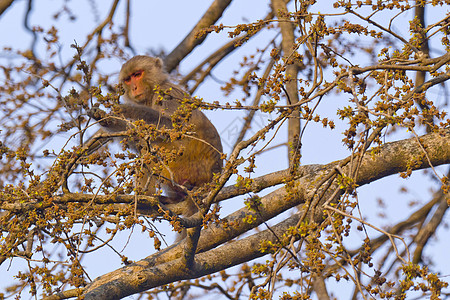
(131, 112)
(96, 141)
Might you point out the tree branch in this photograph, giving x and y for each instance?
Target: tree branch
(157, 269)
(4, 4)
(288, 47)
(211, 16)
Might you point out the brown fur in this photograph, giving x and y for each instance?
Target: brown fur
(201, 156)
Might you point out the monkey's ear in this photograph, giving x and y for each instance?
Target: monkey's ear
(159, 63)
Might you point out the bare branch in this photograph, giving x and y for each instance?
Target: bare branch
(147, 273)
(211, 16)
(4, 4)
(288, 47)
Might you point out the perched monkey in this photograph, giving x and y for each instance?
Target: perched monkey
(145, 82)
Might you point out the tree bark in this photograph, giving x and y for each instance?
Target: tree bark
(4, 4)
(166, 267)
(211, 16)
(287, 47)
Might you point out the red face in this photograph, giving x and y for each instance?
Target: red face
(135, 84)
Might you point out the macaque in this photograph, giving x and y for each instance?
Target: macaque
(151, 97)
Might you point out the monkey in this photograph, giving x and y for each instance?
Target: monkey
(150, 96)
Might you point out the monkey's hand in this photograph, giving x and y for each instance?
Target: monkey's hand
(111, 122)
(129, 112)
(147, 114)
(96, 113)
(102, 117)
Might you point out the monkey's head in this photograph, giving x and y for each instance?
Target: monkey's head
(140, 75)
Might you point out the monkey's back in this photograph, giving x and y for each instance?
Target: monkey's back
(201, 154)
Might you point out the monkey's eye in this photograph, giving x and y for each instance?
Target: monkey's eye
(138, 74)
(127, 80)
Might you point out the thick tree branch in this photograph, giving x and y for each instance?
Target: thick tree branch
(4, 4)
(144, 275)
(403, 155)
(211, 16)
(288, 47)
(430, 228)
(157, 269)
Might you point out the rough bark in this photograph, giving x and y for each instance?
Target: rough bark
(165, 267)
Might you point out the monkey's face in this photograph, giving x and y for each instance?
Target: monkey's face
(139, 77)
(134, 86)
